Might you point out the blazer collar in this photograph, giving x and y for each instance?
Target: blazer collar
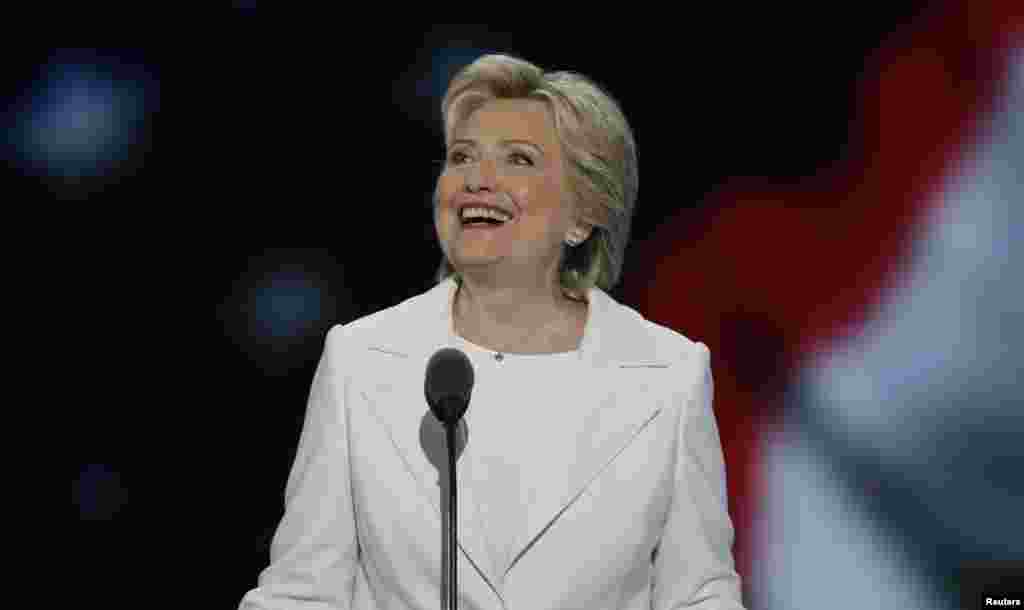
(614, 341)
(610, 335)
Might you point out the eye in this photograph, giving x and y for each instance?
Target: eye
(518, 155)
(457, 158)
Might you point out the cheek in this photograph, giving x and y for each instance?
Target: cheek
(442, 227)
(544, 199)
(541, 193)
(444, 191)
(445, 188)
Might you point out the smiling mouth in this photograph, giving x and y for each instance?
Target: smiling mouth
(483, 223)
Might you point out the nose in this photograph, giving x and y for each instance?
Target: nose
(482, 175)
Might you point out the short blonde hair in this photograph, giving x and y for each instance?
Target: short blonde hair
(597, 143)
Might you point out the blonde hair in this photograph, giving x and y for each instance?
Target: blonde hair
(598, 146)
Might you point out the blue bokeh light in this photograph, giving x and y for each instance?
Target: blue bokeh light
(80, 119)
(287, 305)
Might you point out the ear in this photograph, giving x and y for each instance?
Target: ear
(583, 223)
(584, 220)
(581, 231)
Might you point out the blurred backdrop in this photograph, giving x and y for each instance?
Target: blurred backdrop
(831, 202)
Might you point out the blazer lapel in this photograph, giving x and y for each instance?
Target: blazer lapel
(615, 411)
(412, 332)
(616, 357)
(400, 406)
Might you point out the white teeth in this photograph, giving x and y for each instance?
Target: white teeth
(485, 212)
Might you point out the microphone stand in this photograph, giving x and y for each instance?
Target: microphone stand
(447, 388)
(452, 521)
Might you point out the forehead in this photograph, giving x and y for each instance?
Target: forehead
(524, 118)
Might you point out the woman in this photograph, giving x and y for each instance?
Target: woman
(593, 474)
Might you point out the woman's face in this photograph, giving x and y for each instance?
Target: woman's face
(509, 152)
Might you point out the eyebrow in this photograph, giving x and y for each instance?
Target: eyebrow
(526, 142)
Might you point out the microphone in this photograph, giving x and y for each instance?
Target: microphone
(447, 387)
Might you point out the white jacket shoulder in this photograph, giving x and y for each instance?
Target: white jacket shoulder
(360, 330)
(668, 343)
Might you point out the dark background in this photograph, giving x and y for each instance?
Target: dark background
(262, 127)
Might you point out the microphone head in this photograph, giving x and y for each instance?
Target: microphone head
(448, 385)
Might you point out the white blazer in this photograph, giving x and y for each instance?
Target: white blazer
(639, 520)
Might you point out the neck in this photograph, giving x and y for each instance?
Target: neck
(510, 317)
